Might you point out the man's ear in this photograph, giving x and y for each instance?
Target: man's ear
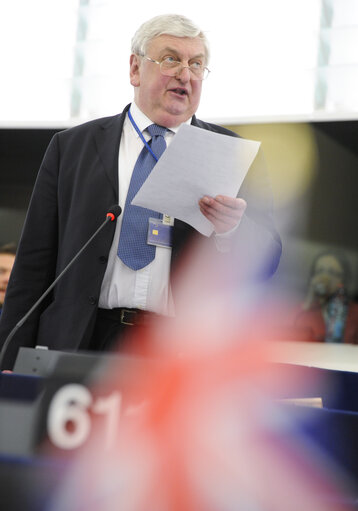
(134, 64)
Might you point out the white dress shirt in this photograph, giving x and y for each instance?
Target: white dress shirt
(149, 287)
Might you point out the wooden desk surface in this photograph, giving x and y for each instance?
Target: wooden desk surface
(343, 357)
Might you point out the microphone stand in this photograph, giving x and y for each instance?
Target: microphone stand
(112, 214)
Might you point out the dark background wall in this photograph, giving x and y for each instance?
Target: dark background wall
(21, 152)
(323, 214)
(333, 209)
(314, 171)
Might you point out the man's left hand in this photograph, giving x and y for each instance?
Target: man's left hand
(223, 212)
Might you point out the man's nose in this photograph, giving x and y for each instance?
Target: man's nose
(183, 74)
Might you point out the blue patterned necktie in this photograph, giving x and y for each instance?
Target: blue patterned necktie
(133, 249)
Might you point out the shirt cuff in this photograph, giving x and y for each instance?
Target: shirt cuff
(223, 241)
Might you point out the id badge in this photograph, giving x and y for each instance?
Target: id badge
(160, 232)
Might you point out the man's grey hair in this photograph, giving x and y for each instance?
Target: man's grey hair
(8, 248)
(168, 24)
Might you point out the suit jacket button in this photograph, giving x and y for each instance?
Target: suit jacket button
(103, 259)
(92, 300)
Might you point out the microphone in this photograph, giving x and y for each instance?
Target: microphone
(113, 213)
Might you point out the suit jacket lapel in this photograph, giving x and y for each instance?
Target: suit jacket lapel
(194, 121)
(107, 138)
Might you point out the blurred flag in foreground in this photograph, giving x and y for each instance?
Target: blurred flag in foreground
(198, 424)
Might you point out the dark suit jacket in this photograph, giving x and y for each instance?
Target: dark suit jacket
(76, 184)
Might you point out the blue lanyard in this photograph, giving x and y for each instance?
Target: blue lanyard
(141, 135)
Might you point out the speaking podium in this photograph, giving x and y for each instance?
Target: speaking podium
(44, 380)
(22, 392)
(43, 362)
(30, 471)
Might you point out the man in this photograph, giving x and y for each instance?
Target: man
(87, 169)
(7, 258)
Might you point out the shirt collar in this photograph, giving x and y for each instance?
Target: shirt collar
(142, 121)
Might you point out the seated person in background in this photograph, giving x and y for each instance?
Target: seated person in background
(327, 312)
(7, 258)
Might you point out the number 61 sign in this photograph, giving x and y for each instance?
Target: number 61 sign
(71, 412)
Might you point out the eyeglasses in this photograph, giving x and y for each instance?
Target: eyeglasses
(170, 67)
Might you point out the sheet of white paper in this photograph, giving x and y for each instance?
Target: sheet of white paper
(196, 163)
